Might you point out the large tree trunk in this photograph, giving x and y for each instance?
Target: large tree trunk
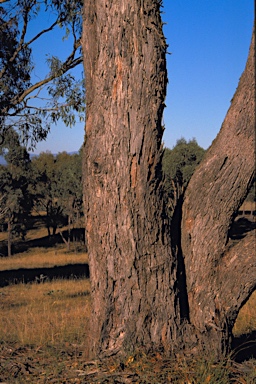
(145, 292)
(221, 275)
(131, 267)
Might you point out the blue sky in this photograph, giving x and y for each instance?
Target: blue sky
(209, 42)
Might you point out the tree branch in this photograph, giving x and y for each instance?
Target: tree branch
(43, 32)
(65, 68)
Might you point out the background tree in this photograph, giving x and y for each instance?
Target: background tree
(29, 104)
(179, 165)
(16, 199)
(46, 191)
(137, 296)
(58, 189)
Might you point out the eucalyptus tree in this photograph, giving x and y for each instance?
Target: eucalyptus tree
(138, 299)
(45, 190)
(31, 100)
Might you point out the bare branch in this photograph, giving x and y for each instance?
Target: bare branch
(43, 32)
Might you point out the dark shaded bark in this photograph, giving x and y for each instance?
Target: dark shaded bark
(220, 275)
(156, 287)
(132, 270)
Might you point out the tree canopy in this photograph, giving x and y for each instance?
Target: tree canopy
(179, 164)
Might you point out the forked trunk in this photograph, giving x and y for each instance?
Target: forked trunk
(146, 293)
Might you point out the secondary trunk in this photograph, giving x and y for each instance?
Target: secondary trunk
(132, 271)
(221, 275)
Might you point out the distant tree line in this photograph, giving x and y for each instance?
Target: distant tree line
(50, 186)
(46, 185)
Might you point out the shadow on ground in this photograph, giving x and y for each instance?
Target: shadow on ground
(244, 347)
(20, 246)
(240, 227)
(39, 275)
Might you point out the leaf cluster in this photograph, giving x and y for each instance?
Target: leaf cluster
(28, 103)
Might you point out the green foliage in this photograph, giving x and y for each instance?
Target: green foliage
(58, 187)
(183, 158)
(69, 175)
(16, 199)
(14, 65)
(27, 103)
(178, 166)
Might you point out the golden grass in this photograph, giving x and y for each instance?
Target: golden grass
(58, 311)
(246, 320)
(45, 314)
(42, 258)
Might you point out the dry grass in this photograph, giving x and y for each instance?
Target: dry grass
(42, 314)
(246, 320)
(53, 317)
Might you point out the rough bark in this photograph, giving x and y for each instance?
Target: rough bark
(132, 271)
(220, 276)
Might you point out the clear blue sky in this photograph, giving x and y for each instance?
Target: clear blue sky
(209, 42)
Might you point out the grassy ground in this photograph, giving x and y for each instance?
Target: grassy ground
(246, 320)
(44, 334)
(45, 314)
(41, 258)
